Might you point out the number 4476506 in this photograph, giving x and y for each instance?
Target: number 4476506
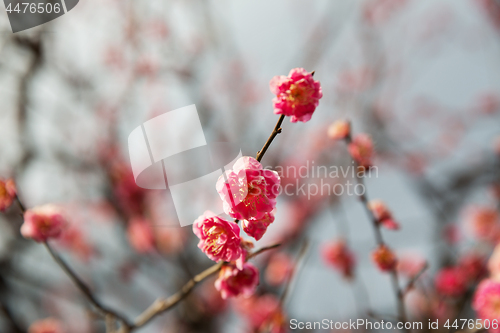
(34, 8)
(472, 324)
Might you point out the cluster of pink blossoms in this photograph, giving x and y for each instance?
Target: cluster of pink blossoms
(340, 257)
(249, 194)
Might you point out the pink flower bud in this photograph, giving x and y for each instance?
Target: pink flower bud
(219, 239)
(250, 191)
(233, 282)
(383, 215)
(339, 130)
(7, 194)
(43, 222)
(483, 222)
(278, 269)
(361, 150)
(451, 282)
(49, 325)
(338, 255)
(297, 95)
(140, 235)
(384, 258)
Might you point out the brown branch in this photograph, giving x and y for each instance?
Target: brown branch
(106, 312)
(380, 240)
(276, 131)
(162, 305)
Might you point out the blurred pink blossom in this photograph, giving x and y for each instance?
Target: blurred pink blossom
(140, 235)
(43, 222)
(361, 150)
(7, 193)
(384, 258)
(48, 325)
(451, 282)
(339, 130)
(383, 215)
(278, 268)
(340, 257)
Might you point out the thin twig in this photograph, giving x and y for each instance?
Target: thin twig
(414, 279)
(84, 288)
(276, 131)
(380, 241)
(162, 305)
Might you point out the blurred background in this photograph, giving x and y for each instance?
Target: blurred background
(421, 77)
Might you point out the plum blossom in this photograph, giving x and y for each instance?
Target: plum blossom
(250, 191)
(383, 215)
(43, 222)
(338, 255)
(48, 325)
(264, 310)
(410, 264)
(256, 228)
(450, 282)
(486, 301)
(483, 222)
(7, 193)
(339, 130)
(278, 268)
(219, 239)
(361, 150)
(384, 258)
(297, 95)
(140, 235)
(233, 281)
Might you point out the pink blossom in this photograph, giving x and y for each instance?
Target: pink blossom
(278, 268)
(264, 311)
(361, 150)
(7, 194)
(219, 239)
(233, 282)
(339, 130)
(250, 191)
(338, 255)
(140, 235)
(49, 325)
(257, 227)
(486, 301)
(483, 222)
(297, 95)
(451, 282)
(384, 258)
(43, 222)
(383, 215)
